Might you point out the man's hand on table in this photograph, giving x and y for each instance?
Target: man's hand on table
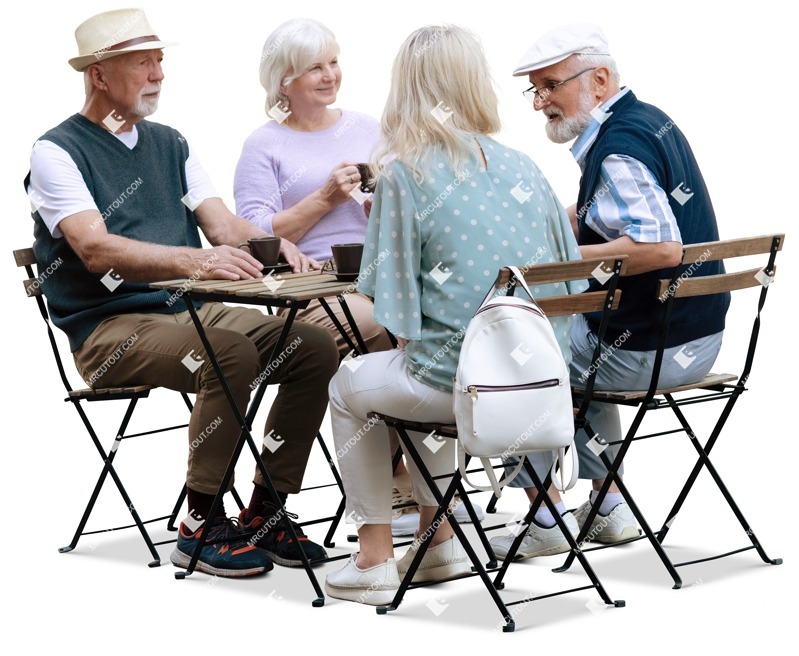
(225, 263)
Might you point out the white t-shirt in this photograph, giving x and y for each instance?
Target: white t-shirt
(57, 188)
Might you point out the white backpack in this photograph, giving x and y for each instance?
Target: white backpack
(512, 393)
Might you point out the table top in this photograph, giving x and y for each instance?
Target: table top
(283, 287)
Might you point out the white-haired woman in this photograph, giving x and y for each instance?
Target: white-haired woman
(296, 172)
(452, 207)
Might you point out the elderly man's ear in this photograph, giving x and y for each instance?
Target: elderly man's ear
(601, 82)
(97, 76)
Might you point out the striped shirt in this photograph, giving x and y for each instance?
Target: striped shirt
(628, 200)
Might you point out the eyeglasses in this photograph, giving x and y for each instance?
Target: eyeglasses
(540, 95)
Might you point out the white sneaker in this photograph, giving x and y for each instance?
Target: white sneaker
(375, 586)
(459, 511)
(618, 525)
(539, 540)
(405, 521)
(444, 561)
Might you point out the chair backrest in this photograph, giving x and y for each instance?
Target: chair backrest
(541, 274)
(25, 257)
(605, 300)
(683, 284)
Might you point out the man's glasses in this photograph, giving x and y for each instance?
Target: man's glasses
(540, 95)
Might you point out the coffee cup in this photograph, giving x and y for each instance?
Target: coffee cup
(347, 258)
(367, 184)
(264, 249)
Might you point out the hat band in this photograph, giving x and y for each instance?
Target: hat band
(132, 42)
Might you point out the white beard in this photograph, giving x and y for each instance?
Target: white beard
(572, 127)
(146, 106)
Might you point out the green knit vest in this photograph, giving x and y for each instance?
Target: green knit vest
(138, 192)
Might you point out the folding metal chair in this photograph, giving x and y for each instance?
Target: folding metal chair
(25, 258)
(604, 301)
(714, 387)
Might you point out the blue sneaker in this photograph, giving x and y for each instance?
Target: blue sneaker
(275, 540)
(233, 558)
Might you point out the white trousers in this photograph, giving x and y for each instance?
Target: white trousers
(380, 382)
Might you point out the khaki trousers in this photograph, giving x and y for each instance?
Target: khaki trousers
(165, 350)
(374, 335)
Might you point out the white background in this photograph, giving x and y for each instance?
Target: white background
(724, 73)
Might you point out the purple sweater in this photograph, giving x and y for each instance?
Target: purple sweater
(279, 167)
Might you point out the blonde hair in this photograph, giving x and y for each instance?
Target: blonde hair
(439, 68)
(289, 51)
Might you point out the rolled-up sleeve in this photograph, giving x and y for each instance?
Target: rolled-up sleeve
(629, 202)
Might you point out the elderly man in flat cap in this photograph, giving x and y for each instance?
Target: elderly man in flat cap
(121, 202)
(641, 194)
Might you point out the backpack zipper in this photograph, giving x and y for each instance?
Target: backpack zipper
(474, 389)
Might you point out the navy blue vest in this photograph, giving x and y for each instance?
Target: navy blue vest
(138, 192)
(646, 134)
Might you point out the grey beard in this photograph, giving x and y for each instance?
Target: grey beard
(568, 128)
(144, 107)
(572, 127)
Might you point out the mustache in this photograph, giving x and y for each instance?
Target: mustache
(155, 88)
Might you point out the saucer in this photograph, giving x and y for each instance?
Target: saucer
(283, 267)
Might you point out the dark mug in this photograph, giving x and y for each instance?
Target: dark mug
(367, 184)
(264, 249)
(347, 258)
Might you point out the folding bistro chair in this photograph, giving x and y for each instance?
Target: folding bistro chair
(603, 301)
(25, 258)
(726, 388)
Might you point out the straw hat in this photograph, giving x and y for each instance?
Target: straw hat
(114, 33)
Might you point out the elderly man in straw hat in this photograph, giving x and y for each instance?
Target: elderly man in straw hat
(121, 201)
(641, 194)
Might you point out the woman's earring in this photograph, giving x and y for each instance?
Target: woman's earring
(281, 110)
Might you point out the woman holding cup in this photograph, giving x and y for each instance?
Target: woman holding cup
(298, 176)
(302, 176)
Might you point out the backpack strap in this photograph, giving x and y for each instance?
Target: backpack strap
(495, 486)
(560, 461)
(520, 279)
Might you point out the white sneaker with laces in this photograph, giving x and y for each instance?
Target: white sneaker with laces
(405, 521)
(375, 586)
(538, 541)
(618, 525)
(444, 561)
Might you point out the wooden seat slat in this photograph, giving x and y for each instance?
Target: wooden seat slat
(629, 395)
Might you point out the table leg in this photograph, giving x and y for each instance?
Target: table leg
(246, 437)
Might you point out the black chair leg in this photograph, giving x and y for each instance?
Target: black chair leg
(108, 469)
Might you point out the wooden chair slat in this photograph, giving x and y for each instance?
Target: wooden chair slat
(719, 250)
(622, 395)
(88, 392)
(541, 274)
(32, 287)
(702, 285)
(24, 257)
(554, 306)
